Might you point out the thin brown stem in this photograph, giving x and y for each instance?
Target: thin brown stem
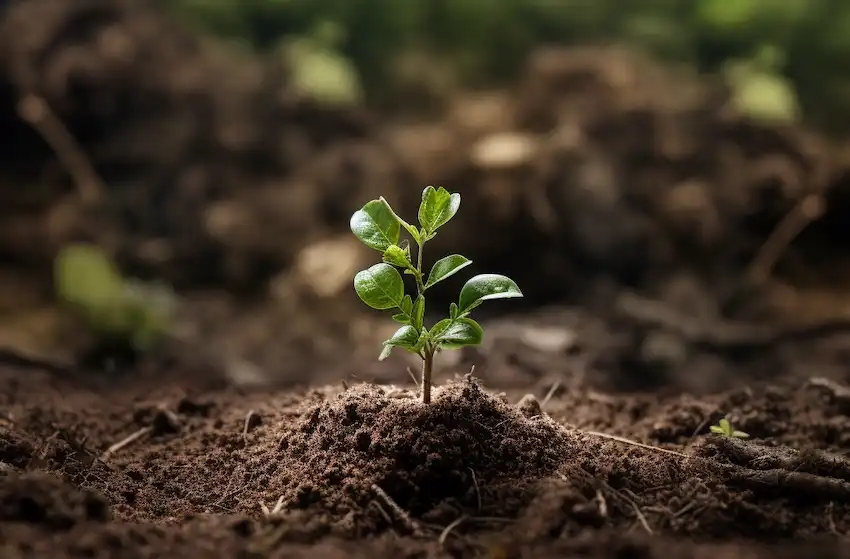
(427, 363)
(808, 209)
(38, 114)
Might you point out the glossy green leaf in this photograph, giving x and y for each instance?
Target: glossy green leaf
(446, 267)
(406, 305)
(385, 352)
(397, 256)
(405, 337)
(484, 287)
(418, 313)
(380, 287)
(414, 232)
(459, 333)
(424, 337)
(376, 225)
(437, 207)
(401, 318)
(453, 310)
(440, 327)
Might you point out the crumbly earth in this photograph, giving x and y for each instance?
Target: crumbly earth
(357, 469)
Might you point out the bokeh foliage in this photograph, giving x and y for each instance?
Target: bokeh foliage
(483, 41)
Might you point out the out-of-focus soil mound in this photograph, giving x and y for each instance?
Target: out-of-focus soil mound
(603, 165)
(598, 170)
(203, 152)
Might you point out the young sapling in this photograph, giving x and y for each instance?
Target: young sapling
(725, 429)
(381, 286)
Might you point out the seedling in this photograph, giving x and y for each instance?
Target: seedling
(381, 286)
(725, 428)
(113, 307)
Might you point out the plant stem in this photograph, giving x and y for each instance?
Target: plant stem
(427, 363)
(428, 351)
(420, 285)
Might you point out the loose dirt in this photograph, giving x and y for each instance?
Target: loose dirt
(269, 429)
(146, 464)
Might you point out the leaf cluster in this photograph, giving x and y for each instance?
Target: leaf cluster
(381, 286)
(726, 429)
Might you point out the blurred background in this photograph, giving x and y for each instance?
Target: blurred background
(667, 180)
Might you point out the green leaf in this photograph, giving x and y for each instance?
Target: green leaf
(453, 310)
(406, 305)
(405, 337)
(414, 232)
(380, 287)
(459, 333)
(437, 207)
(724, 424)
(401, 318)
(397, 256)
(84, 275)
(717, 430)
(485, 287)
(446, 267)
(418, 313)
(376, 225)
(438, 329)
(424, 337)
(740, 435)
(385, 352)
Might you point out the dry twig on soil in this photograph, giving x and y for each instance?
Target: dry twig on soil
(401, 515)
(125, 442)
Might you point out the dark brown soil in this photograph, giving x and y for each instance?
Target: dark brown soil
(364, 469)
(268, 429)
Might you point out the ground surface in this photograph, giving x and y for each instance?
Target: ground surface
(628, 191)
(363, 469)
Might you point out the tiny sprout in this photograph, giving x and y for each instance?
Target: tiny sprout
(725, 428)
(381, 286)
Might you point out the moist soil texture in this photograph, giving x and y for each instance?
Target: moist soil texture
(173, 461)
(680, 264)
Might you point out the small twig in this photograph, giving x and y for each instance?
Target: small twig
(809, 208)
(400, 513)
(601, 503)
(641, 518)
(249, 422)
(448, 529)
(684, 509)
(413, 376)
(125, 442)
(38, 114)
(277, 507)
(700, 427)
(615, 493)
(635, 443)
(382, 512)
(477, 490)
(549, 394)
